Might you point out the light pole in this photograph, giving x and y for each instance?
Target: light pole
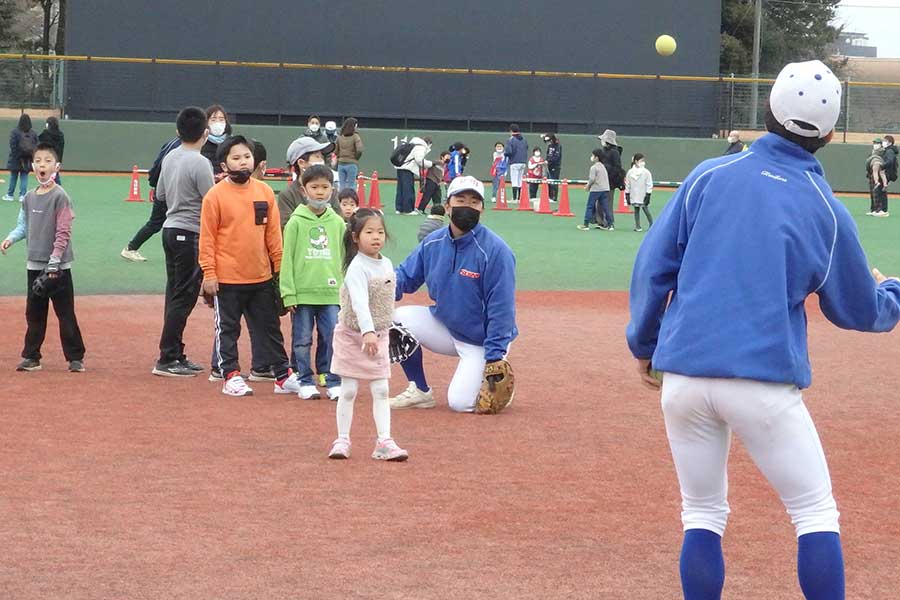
(754, 96)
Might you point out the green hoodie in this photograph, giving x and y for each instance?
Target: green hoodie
(311, 269)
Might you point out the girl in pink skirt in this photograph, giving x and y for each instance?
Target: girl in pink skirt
(361, 335)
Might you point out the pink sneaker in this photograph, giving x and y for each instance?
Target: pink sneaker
(340, 449)
(389, 450)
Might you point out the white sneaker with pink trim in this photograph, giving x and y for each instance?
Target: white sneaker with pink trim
(390, 451)
(340, 449)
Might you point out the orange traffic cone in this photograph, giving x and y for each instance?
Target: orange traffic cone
(361, 190)
(623, 208)
(524, 200)
(544, 206)
(135, 194)
(564, 210)
(374, 194)
(501, 197)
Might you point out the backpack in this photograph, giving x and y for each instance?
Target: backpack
(890, 164)
(27, 146)
(400, 155)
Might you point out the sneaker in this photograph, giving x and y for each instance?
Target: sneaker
(413, 397)
(216, 375)
(172, 369)
(189, 364)
(334, 392)
(340, 449)
(9, 198)
(291, 385)
(494, 200)
(610, 228)
(29, 364)
(320, 379)
(412, 213)
(76, 366)
(132, 255)
(871, 213)
(603, 227)
(236, 386)
(882, 214)
(309, 392)
(638, 229)
(390, 451)
(262, 375)
(582, 227)
(21, 198)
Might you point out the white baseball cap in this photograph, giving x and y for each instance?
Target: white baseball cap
(466, 183)
(807, 92)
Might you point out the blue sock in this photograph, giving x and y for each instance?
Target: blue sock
(702, 565)
(415, 370)
(820, 566)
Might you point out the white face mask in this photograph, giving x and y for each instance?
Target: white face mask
(641, 164)
(217, 128)
(537, 154)
(885, 144)
(876, 147)
(313, 127)
(732, 140)
(316, 161)
(50, 176)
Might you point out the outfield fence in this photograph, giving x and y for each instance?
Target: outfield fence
(33, 81)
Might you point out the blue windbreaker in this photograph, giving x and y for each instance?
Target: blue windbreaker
(740, 246)
(472, 281)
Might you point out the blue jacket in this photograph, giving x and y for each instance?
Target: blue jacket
(517, 150)
(472, 281)
(741, 245)
(454, 167)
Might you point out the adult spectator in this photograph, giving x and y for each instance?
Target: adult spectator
(301, 154)
(23, 142)
(314, 130)
(890, 158)
(517, 152)
(554, 162)
(219, 129)
(611, 157)
(875, 172)
(405, 200)
(735, 145)
(53, 136)
(349, 149)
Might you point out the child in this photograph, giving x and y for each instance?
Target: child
(311, 278)
(498, 169)
(431, 191)
(302, 153)
(361, 335)
(434, 222)
(454, 165)
(45, 223)
(259, 159)
(535, 171)
(597, 188)
(638, 186)
(240, 245)
(349, 203)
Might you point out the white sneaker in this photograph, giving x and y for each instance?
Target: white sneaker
(870, 214)
(236, 386)
(413, 397)
(21, 198)
(291, 385)
(309, 392)
(334, 392)
(340, 449)
(881, 213)
(132, 255)
(9, 198)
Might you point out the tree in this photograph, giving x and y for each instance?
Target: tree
(9, 36)
(792, 31)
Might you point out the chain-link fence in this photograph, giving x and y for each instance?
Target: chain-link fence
(544, 101)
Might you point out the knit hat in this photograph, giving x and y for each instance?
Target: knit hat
(806, 92)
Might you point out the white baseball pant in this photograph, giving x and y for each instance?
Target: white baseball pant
(775, 427)
(434, 336)
(515, 174)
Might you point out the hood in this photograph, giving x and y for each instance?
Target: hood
(304, 213)
(517, 136)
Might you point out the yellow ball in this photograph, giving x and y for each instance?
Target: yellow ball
(665, 45)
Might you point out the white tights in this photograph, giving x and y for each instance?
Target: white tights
(381, 407)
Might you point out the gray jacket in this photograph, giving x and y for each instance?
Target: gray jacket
(598, 179)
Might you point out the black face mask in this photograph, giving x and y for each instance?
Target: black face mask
(464, 217)
(242, 176)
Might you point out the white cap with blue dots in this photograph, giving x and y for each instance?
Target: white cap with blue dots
(807, 92)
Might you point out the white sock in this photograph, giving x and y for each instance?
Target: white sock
(349, 389)
(381, 408)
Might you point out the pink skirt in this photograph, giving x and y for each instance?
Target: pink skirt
(349, 359)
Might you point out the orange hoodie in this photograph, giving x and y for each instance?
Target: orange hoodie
(240, 233)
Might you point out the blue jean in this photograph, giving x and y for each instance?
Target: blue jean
(498, 181)
(22, 177)
(405, 200)
(347, 177)
(598, 201)
(324, 318)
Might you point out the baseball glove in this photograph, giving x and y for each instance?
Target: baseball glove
(497, 389)
(401, 343)
(45, 286)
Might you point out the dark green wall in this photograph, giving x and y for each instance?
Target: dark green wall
(116, 146)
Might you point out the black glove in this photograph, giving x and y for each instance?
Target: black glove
(647, 200)
(628, 199)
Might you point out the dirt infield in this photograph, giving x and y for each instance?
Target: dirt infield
(117, 484)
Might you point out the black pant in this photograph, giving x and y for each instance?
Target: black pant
(430, 193)
(878, 197)
(36, 309)
(554, 174)
(183, 278)
(255, 302)
(405, 200)
(152, 226)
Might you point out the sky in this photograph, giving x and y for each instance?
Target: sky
(878, 18)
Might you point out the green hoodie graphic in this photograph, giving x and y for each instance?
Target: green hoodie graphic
(313, 253)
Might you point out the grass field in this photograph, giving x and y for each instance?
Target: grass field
(551, 253)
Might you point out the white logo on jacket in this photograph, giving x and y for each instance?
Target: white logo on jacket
(773, 176)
